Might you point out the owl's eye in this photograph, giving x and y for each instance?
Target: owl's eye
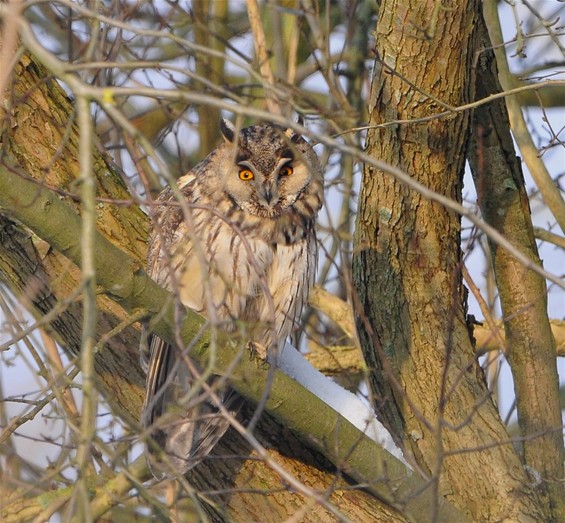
(246, 175)
(287, 170)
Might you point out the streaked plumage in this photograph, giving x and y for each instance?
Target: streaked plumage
(240, 246)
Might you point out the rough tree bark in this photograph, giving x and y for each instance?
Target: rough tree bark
(411, 301)
(40, 139)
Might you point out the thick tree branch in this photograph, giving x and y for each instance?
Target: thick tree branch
(486, 339)
(523, 294)
(347, 359)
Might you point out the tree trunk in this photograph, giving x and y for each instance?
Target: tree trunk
(244, 489)
(40, 140)
(412, 312)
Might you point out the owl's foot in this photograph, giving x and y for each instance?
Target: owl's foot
(257, 351)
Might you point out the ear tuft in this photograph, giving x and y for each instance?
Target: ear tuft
(292, 135)
(228, 130)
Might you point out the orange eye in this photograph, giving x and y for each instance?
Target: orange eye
(246, 175)
(287, 170)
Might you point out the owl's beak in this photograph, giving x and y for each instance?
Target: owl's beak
(270, 194)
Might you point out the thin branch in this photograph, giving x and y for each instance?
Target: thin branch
(112, 492)
(495, 330)
(338, 310)
(537, 168)
(547, 236)
(262, 55)
(88, 342)
(102, 96)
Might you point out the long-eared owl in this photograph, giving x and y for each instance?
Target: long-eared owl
(234, 241)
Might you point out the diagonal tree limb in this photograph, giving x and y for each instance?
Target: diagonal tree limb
(548, 188)
(125, 282)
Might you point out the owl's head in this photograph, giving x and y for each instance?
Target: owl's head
(271, 172)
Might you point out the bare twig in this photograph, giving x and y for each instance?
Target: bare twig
(518, 124)
(102, 97)
(88, 254)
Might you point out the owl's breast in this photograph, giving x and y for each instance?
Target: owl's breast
(224, 271)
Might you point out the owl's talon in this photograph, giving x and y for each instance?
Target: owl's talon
(257, 351)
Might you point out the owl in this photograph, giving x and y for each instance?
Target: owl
(235, 241)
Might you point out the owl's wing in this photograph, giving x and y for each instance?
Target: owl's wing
(183, 428)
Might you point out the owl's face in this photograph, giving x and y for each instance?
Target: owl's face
(268, 171)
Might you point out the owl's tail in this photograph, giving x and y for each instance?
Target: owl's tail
(182, 421)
